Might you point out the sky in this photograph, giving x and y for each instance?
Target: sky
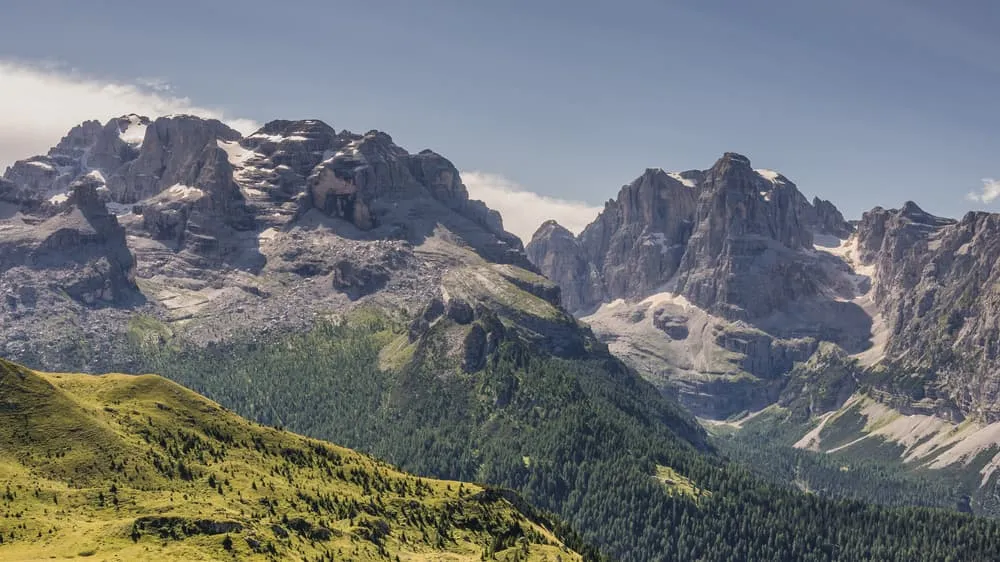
(549, 107)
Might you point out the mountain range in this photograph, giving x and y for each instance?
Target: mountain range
(340, 286)
(727, 288)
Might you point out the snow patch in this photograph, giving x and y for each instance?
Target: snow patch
(351, 149)
(58, 199)
(96, 175)
(769, 175)
(42, 165)
(667, 298)
(279, 138)
(183, 192)
(265, 136)
(685, 181)
(134, 132)
(657, 239)
(236, 154)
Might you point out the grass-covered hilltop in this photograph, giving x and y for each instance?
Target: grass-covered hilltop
(120, 467)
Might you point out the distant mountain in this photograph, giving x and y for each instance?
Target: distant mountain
(721, 288)
(140, 467)
(727, 288)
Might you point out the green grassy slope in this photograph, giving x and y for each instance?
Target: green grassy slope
(120, 467)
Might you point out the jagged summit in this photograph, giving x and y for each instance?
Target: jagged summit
(712, 271)
(725, 285)
(674, 227)
(204, 218)
(735, 157)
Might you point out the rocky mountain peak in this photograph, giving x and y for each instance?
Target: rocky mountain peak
(173, 152)
(213, 216)
(734, 159)
(825, 218)
(552, 229)
(684, 231)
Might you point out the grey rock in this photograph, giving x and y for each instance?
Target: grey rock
(825, 218)
(735, 242)
(174, 152)
(934, 285)
(80, 252)
(675, 327)
(358, 280)
(459, 311)
(730, 239)
(560, 257)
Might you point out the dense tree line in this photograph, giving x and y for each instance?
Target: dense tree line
(581, 438)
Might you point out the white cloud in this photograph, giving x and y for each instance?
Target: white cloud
(989, 191)
(523, 211)
(39, 103)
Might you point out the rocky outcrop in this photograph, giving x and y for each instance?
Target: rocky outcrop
(633, 247)
(742, 261)
(935, 283)
(560, 257)
(824, 218)
(80, 252)
(174, 152)
(88, 147)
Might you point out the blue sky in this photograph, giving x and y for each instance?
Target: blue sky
(862, 102)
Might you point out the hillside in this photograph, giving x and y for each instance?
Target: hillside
(136, 467)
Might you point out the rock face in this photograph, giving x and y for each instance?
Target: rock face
(733, 243)
(729, 239)
(936, 285)
(80, 252)
(742, 259)
(558, 253)
(186, 220)
(638, 240)
(750, 279)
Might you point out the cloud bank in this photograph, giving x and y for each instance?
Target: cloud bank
(41, 103)
(989, 191)
(523, 211)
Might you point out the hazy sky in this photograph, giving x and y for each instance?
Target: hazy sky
(864, 102)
